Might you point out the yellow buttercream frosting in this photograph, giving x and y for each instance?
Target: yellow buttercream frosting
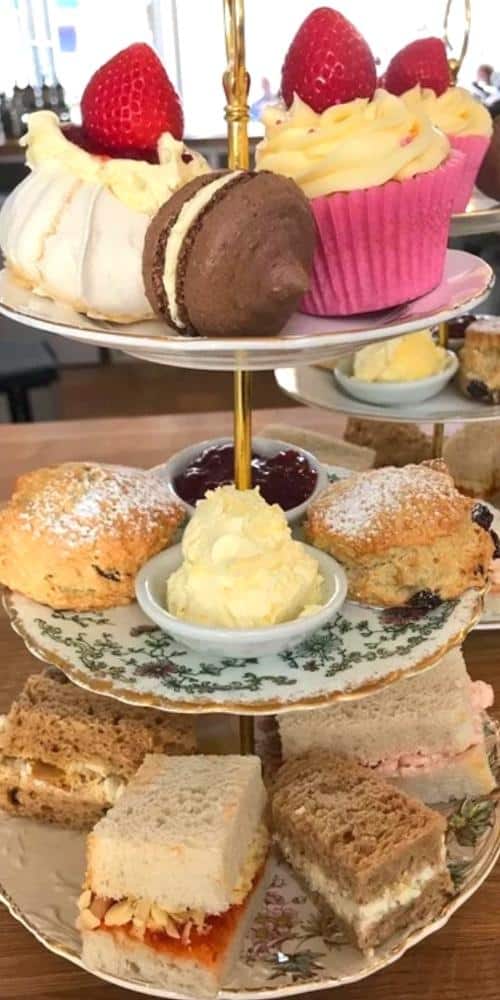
(350, 146)
(241, 568)
(455, 112)
(404, 359)
(141, 186)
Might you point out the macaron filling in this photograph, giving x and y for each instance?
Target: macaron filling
(186, 218)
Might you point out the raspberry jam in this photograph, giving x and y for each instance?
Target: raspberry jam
(286, 478)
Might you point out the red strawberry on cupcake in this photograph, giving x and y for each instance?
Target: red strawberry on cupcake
(128, 103)
(423, 61)
(328, 62)
(378, 176)
(420, 74)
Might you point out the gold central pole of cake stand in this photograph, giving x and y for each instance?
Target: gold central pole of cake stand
(438, 431)
(455, 62)
(236, 84)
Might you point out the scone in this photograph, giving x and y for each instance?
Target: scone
(402, 535)
(75, 535)
(394, 443)
(479, 373)
(472, 455)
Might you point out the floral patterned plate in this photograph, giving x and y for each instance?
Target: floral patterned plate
(120, 653)
(291, 948)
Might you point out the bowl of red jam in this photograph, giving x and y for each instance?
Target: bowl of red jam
(285, 474)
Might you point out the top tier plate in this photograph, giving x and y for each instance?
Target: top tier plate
(305, 339)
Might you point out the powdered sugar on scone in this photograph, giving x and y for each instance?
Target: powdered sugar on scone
(365, 505)
(84, 501)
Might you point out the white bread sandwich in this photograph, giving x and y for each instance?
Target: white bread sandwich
(173, 873)
(66, 754)
(425, 733)
(375, 856)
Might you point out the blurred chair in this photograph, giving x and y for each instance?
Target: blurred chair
(25, 366)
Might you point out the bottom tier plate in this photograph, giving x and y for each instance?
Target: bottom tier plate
(291, 947)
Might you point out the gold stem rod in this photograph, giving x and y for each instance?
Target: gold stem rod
(236, 85)
(455, 62)
(437, 440)
(443, 335)
(242, 430)
(438, 430)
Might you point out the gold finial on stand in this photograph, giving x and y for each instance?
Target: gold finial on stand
(236, 85)
(455, 62)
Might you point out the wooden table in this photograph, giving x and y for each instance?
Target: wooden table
(461, 962)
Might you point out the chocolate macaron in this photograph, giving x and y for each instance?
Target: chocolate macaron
(230, 254)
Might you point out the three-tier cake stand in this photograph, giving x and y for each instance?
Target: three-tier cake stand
(120, 654)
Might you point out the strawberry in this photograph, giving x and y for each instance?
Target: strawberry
(423, 61)
(129, 102)
(328, 62)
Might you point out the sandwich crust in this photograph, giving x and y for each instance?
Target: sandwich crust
(66, 754)
(75, 535)
(55, 722)
(401, 531)
(359, 829)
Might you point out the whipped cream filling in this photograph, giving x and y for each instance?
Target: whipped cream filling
(421, 760)
(363, 916)
(186, 218)
(35, 773)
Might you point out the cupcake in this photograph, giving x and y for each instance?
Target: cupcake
(381, 182)
(380, 178)
(466, 122)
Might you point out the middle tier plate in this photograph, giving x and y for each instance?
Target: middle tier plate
(120, 653)
(466, 282)
(319, 387)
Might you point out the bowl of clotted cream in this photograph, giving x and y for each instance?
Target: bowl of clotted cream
(239, 584)
(397, 372)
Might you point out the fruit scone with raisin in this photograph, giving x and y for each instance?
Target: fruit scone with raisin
(75, 535)
(403, 535)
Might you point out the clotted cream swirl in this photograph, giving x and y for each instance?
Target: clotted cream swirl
(455, 112)
(349, 147)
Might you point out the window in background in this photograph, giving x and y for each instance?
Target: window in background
(70, 38)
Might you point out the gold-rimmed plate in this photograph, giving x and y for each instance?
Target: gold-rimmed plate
(291, 948)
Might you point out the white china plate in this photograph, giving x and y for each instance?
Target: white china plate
(393, 394)
(467, 281)
(319, 387)
(291, 948)
(120, 653)
(482, 215)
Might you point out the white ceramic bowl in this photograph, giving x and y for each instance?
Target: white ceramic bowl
(150, 589)
(393, 393)
(265, 446)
